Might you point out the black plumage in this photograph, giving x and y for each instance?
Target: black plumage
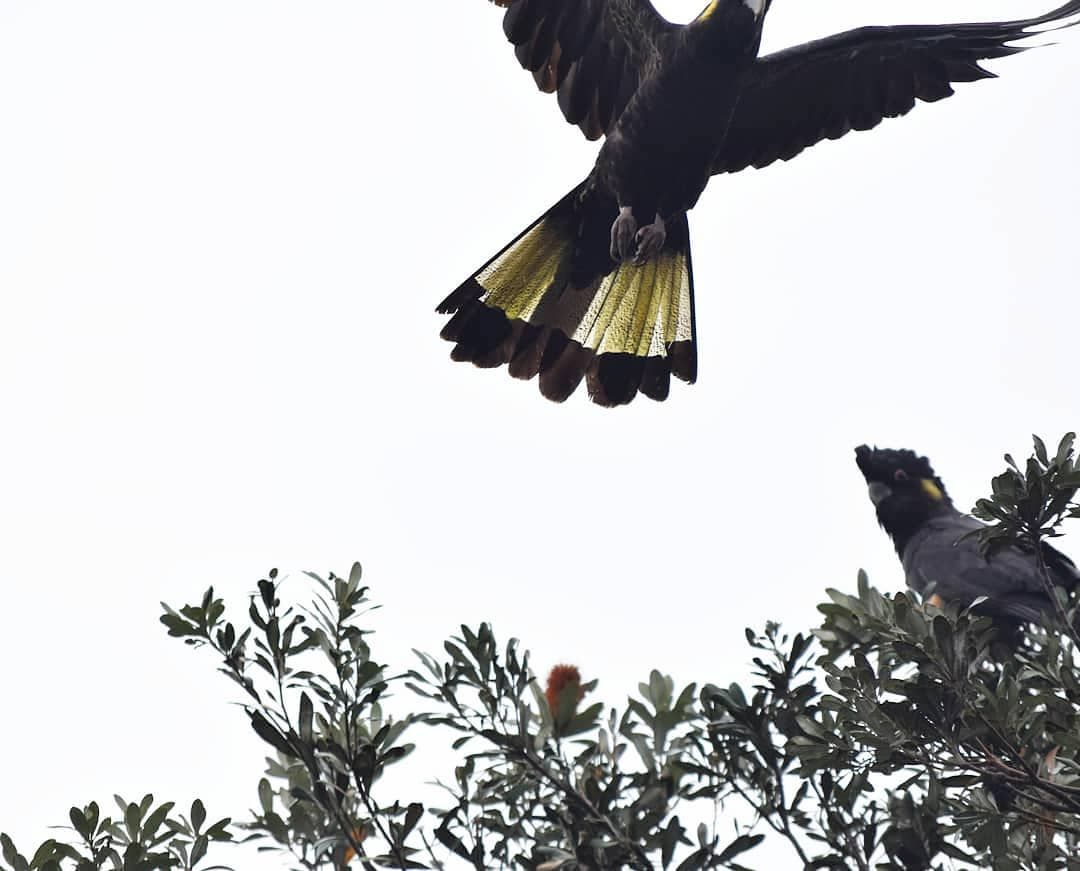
(795, 98)
(676, 105)
(940, 551)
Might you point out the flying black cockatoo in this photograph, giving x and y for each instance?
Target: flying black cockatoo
(601, 286)
(936, 545)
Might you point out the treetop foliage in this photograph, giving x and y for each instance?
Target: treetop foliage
(895, 735)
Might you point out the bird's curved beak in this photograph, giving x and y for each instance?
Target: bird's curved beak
(758, 7)
(879, 492)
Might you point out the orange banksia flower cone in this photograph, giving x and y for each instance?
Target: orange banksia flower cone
(563, 693)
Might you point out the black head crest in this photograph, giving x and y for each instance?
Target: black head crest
(904, 489)
(883, 464)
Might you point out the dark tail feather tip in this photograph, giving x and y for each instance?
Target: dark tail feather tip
(613, 379)
(562, 367)
(469, 290)
(525, 360)
(683, 356)
(656, 380)
(481, 336)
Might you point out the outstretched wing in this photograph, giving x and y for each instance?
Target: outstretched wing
(821, 90)
(592, 53)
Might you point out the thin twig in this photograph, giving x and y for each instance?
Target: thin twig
(641, 860)
(837, 824)
(1051, 591)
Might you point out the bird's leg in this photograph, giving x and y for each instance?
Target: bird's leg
(650, 239)
(622, 234)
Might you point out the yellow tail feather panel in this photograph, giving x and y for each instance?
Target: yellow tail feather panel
(643, 308)
(637, 310)
(517, 280)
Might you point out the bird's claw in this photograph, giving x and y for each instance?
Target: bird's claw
(650, 239)
(623, 234)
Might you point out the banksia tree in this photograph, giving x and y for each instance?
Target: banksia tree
(888, 738)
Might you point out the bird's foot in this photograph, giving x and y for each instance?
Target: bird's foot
(623, 232)
(650, 239)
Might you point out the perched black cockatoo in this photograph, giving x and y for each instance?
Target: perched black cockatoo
(936, 545)
(601, 286)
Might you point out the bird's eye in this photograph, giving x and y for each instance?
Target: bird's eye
(900, 475)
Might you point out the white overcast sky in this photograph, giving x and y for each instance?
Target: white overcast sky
(224, 226)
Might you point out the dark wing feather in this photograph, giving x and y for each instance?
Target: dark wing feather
(950, 558)
(795, 98)
(1061, 567)
(593, 53)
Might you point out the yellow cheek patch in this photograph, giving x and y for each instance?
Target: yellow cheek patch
(931, 489)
